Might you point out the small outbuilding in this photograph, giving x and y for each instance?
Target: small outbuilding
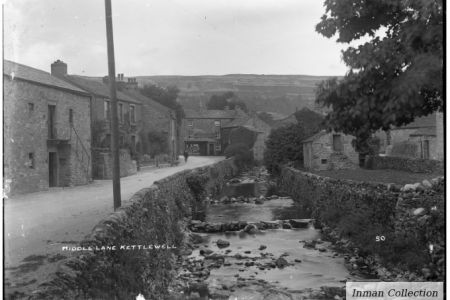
(329, 151)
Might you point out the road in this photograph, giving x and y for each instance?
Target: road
(39, 223)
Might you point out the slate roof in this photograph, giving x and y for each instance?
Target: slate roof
(209, 114)
(144, 99)
(98, 88)
(427, 121)
(315, 136)
(429, 131)
(16, 70)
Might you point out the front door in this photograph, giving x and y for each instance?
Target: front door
(426, 149)
(52, 169)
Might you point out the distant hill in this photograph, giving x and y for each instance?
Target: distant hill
(281, 94)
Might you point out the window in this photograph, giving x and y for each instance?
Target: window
(323, 161)
(133, 142)
(121, 141)
(71, 116)
(107, 109)
(218, 148)
(132, 114)
(30, 108)
(31, 160)
(121, 112)
(217, 123)
(190, 123)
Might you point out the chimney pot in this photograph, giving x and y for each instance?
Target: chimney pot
(58, 68)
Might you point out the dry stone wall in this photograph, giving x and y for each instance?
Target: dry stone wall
(415, 165)
(154, 216)
(410, 218)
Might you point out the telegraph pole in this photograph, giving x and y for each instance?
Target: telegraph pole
(114, 118)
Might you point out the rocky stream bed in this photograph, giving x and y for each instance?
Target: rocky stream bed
(250, 246)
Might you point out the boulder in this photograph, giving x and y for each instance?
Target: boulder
(262, 247)
(286, 225)
(300, 223)
(205, 252)
(426, 184)
(309, 244)
(223, 244)
(281, 263)
(419, 211)
(197, 238)
(251, 228)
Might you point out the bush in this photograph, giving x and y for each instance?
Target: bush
(284, 145)
(243, 156)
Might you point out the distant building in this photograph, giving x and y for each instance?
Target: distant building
(47, 133)
(423, 138)
(329, 151)
(201, 130)
(129, 112)
(251, 122)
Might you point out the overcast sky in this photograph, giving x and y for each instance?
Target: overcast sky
(173, 37)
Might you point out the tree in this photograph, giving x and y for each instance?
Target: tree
(165, 96)
(396, 75)
(311, 121)
(157, 143)
(284, 145)
(224, 100)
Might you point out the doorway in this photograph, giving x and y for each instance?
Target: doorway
(52, 169)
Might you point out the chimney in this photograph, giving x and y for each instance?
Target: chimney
(58, 68)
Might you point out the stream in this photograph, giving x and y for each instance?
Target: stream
(255, 247)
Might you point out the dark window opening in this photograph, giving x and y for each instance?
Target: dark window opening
(337, 143)
(323, 161)
(31, 160)
(71, 116)
(30, 108)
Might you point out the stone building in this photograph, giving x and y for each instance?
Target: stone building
(201, 130)
(423, 138)
(129, 114)
(156, 118)
(46, 133)
(251, 122)
(329, 151)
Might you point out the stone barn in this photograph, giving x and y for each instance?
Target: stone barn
(329, 151)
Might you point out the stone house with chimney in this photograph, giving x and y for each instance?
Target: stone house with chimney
(46, 131)
(329, 151)
(129, 116)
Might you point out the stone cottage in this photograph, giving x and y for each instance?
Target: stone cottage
(329, 151)
(129, 110)
(46, 133)
(156, 118)
(423, 138)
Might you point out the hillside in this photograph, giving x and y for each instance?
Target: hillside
(282, 94)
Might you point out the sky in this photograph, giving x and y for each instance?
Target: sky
(173, 37)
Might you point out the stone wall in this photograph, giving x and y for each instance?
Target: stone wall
(154, 216)
(415, 165)
(26, 133)
(411, 218)
(103, 164)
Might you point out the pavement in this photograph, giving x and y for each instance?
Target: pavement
(36, 225)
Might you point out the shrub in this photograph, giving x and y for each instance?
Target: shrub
(243, 156)
(284, 145)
